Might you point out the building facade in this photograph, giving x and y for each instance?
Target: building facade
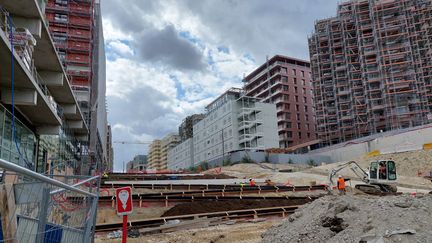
(286, 82)
(41, 124)
(167, 143)
(154, 155)
(371, 68)
(186, 127)
(76, 29)
(139, 163)
(181, 156)
(232, 122)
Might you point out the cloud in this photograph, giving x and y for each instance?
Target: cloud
(169, 59)
(166, 47)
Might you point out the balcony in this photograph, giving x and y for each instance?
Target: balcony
(44, 77)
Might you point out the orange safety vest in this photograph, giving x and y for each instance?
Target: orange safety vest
(252, 183)
(341, 183)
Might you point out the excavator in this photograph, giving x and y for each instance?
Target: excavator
(379, 178)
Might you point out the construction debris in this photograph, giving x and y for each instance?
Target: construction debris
(358, 219)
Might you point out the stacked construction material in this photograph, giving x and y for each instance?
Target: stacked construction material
(24, 43)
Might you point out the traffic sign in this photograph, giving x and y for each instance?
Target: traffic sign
(124, 200)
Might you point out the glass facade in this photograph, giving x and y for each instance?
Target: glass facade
(25, 141)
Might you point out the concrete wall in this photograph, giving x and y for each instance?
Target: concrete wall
(392, 142)
(273, 158)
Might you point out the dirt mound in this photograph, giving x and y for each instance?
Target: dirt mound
(358, 219)
(220, 206)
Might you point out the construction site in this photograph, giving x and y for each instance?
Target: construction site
(288, 203)
(335, 149)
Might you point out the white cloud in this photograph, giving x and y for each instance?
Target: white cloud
(120, 47)
(151, 90)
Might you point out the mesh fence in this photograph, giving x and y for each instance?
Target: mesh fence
(33, 210)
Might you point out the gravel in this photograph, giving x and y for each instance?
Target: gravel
(352, 218)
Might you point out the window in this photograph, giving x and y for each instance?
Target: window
(300, 135)
(304, 99)
(295, 89)
(307, 117)
(298, 125)
(288, 125)
(296, 98)
(286, 87)
(284, 70)
(289, 134)
(306, 108)
(302, 74)
(297, 107)
(295, 80)
(303, 82)
(308, 127)
(294, 72)
(284, 79)
(308, 134)
(298, 116)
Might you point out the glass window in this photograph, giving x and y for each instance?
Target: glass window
(373, 170)
(391, 170)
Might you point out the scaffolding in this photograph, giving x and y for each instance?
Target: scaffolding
(371, 68)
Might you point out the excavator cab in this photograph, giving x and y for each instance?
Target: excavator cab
(382, 171)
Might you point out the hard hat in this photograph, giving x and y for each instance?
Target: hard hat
(340, 176)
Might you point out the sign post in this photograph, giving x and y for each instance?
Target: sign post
(124, 207)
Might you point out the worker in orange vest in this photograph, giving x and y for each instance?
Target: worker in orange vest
(341, 185)
(251, 182)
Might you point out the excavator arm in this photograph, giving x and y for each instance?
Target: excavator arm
(358, 171)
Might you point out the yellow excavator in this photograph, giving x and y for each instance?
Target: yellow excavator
(379, 178)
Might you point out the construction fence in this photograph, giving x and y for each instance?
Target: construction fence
(50, 209)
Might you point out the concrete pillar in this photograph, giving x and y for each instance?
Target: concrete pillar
(50, 78)
(34, 25)
(21, 97)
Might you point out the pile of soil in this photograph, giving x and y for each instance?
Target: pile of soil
(221, 206)
(358, 219)
(164, 177)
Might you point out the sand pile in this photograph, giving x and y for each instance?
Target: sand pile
(358, 219)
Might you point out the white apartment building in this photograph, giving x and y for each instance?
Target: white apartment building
(232, 122)
(179, 157)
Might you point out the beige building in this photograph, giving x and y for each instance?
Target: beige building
(158, 153)
(168, 142)
(154, 155)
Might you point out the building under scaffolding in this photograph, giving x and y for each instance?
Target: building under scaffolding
(371, 67)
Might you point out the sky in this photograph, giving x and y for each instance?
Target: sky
(168, 59)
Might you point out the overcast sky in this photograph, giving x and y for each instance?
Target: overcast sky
(168, 59)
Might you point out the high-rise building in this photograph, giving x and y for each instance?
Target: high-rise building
(186, 127)
(76, 29)
(167, 143)
(286, 82)
(110, 150)
(371, 67)
(232, 122)
(41, 124)
(154, 155)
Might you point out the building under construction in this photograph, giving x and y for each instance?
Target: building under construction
(76, 29)
(372, 67)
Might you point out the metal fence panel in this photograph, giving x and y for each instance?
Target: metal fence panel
(48, 209)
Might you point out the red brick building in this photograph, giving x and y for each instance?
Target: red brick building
(286, 82)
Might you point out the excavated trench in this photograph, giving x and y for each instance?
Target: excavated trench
(237, 204)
